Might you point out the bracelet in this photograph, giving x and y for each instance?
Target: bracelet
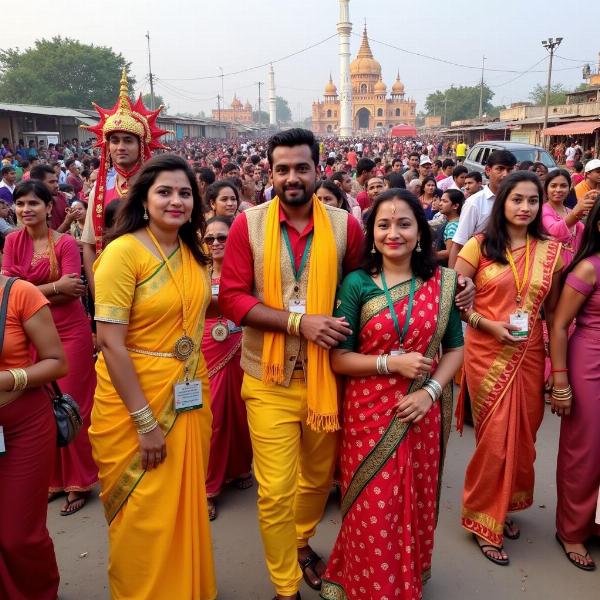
(474, 319)
(565, 393)
(142, 417)
(382, 365)
(54, 287)
(20, 379)
(148, 428)
(435, 385)
(430, 392)
(559, 371)
(293, 325)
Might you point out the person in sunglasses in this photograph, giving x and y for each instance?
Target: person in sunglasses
(230, 448)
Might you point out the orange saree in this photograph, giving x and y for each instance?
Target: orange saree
(506, 384)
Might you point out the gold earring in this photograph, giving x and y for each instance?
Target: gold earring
(418, 249)
(373, 249)
(146, 217)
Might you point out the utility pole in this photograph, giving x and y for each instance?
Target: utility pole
(222, 84)
(481, 88)
(150, 76)
(550, 45)
(219, 106)
(259, 84)
(445, 111)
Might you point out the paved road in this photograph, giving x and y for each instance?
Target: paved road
(537, 571)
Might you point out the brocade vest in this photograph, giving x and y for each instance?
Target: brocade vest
(295, 347)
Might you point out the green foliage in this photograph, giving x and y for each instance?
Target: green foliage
(158, 100)
(260, 117)
(558, 94)
(461, 102)
(61, 72)
(282, 110)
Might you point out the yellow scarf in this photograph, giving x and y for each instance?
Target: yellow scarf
(322, 283)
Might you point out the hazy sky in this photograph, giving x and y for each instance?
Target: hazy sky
(193, 38)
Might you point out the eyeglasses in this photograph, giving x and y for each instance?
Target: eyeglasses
(210, 239)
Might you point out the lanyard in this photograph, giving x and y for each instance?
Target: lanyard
(184, 307)
(520, 285)
(286, 237)
(411, 298)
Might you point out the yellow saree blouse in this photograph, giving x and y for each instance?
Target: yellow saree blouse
(159, 535)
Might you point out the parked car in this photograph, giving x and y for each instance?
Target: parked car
(478, 154)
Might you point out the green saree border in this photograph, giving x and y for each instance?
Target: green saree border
(158, 269)
(397, 430)
(133, 473)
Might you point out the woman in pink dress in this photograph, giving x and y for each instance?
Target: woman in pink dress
(230, 447)
(576, 398)
(51, 262)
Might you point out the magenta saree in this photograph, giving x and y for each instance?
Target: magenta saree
(391, 471)
(73, 468)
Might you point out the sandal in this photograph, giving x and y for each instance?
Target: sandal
(212, 510)
(310, 562)
(70, 509)
(570, 557)
(487, 549)
(243, 483)
(511, 531)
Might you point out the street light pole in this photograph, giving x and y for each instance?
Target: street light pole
(481, 88)
(550, 44)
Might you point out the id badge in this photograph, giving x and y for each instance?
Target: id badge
(233, 328)
(188, 395)
(297, 305)
(398, 352)
(2, 445)
(520, 319)
(214, 289)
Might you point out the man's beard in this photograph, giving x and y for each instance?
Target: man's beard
(300, 200)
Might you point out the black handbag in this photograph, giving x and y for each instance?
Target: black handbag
(67, 415)
(66, 410)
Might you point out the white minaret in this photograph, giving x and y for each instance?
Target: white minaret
(272, 99)
(344, 28)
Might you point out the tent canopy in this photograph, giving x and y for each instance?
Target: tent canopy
(574, 128)
(403, 130)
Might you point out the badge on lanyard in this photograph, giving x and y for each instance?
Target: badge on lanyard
(233, 328)
(219, 332)
(520, 319)
(297, 305)
(398, 352)
(2, 445)
(411, 298)
(188, 395)
(214, 289)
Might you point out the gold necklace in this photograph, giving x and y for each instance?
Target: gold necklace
(184, 345)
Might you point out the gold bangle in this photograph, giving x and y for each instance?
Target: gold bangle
(290, 323)
(20, 379)
(148, 428)
(293, 327)
(54, 287)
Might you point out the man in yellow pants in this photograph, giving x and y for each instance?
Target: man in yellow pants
(283, 263)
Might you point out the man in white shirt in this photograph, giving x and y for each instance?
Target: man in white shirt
(477, 208)
(456, 181)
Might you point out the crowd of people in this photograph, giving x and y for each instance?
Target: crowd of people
(287, 311)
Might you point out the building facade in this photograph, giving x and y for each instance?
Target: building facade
(373, 111)
(238, 113)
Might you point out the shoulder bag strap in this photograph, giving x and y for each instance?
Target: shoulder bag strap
(4, 309)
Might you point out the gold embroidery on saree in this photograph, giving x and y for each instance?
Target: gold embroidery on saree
(396, 431)
(112, 314)
(225, 359)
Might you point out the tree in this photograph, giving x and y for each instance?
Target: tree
(261, 117)
(158, 100)
(61, 72)
(460, 103)
(282, 110)
(558, 94)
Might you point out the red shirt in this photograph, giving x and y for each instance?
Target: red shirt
(237, 275)
(363, 200)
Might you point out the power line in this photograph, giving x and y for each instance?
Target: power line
(520, 74)
(266, 64)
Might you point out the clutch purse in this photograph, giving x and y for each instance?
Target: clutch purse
(67, 415)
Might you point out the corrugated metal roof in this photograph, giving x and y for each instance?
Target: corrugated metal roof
(51, 111)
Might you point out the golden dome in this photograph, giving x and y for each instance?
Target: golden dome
(364, 63)
(398, 87)
(380, 87)
(330, 89)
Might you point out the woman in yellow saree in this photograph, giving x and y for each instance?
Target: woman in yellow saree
(151, 422)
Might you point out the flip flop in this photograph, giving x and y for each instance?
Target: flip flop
(309, 563)
(570, 555)
(508, 525)
(66, 510)
(487, 548)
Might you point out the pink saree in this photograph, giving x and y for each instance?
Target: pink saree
(74, 468)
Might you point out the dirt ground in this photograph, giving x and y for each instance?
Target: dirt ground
(538, 570)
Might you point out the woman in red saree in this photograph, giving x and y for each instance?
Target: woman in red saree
(52, 262)
(27, 440)
(230, 447)
(516, 273)
(396, 417)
